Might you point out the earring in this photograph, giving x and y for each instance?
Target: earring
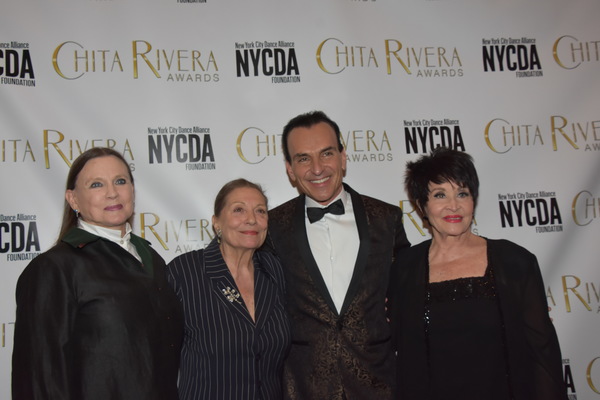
(219, 233)
(76, 214)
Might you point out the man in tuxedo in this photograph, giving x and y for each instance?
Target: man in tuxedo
(336, 247)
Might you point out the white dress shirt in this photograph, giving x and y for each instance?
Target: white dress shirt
(334, 244)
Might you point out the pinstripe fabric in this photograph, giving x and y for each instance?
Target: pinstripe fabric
(225, 355)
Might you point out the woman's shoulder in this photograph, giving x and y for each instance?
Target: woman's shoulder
(270, 263)
(58, 262)
(186, 261)
(269, 260)
(504, 247)
(510, 259)
(416, 250)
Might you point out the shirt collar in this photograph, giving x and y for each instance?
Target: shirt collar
(114, 235)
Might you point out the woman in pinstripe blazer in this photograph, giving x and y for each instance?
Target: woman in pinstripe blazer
(236, 330)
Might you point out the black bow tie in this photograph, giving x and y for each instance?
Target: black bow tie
(316, 213)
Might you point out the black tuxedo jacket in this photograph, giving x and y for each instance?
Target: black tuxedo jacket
(347, 354)
(535, 364)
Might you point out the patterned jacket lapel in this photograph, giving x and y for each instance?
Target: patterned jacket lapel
(301, 237)
(360, 216)
(222, 283)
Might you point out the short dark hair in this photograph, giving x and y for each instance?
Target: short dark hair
(306, 121)
(229, 187)
(69, 219)
(440, 166)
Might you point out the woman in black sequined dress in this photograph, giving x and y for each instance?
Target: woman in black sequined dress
(469, 314)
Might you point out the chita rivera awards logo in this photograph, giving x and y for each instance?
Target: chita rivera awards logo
(254, 145)
(537, 209)
(423, 135)
(72, 60)
(19, 238)
(175, 235)
(571, 52)
(187, 145)
(335, 56)
(518, 55)
(16, 67)
(58, 147)
(276, 60)
(503, 135)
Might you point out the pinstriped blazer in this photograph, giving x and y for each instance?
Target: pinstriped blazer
(225, 354)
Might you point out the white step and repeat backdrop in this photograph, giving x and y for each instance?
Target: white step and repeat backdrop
(195, 93)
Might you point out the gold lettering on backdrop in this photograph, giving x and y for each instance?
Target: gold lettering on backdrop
(395, 54)
(575, 292)
(15, 149)
(589, 207)
(61, 137)
(555, 52)
(553, 120)
(320, 59)
(588, 375)
(487, 136)
(410, 216)
(55, 60)
(144, 225)
(75, 148)
(359, 141)
(269, 144)
(182, 231)
(134, 46)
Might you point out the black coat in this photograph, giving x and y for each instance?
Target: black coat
(93, 323)
(535, 363)
(350, 352)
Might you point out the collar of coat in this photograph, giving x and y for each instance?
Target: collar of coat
(78, 238)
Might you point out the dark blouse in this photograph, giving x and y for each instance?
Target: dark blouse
(225, 354)
(466, 345)
(93, 323)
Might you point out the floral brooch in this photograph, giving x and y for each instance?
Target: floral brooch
(231, 294)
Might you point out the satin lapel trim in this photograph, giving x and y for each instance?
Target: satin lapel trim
(308, 259)
(222, 283)
(362, 225)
